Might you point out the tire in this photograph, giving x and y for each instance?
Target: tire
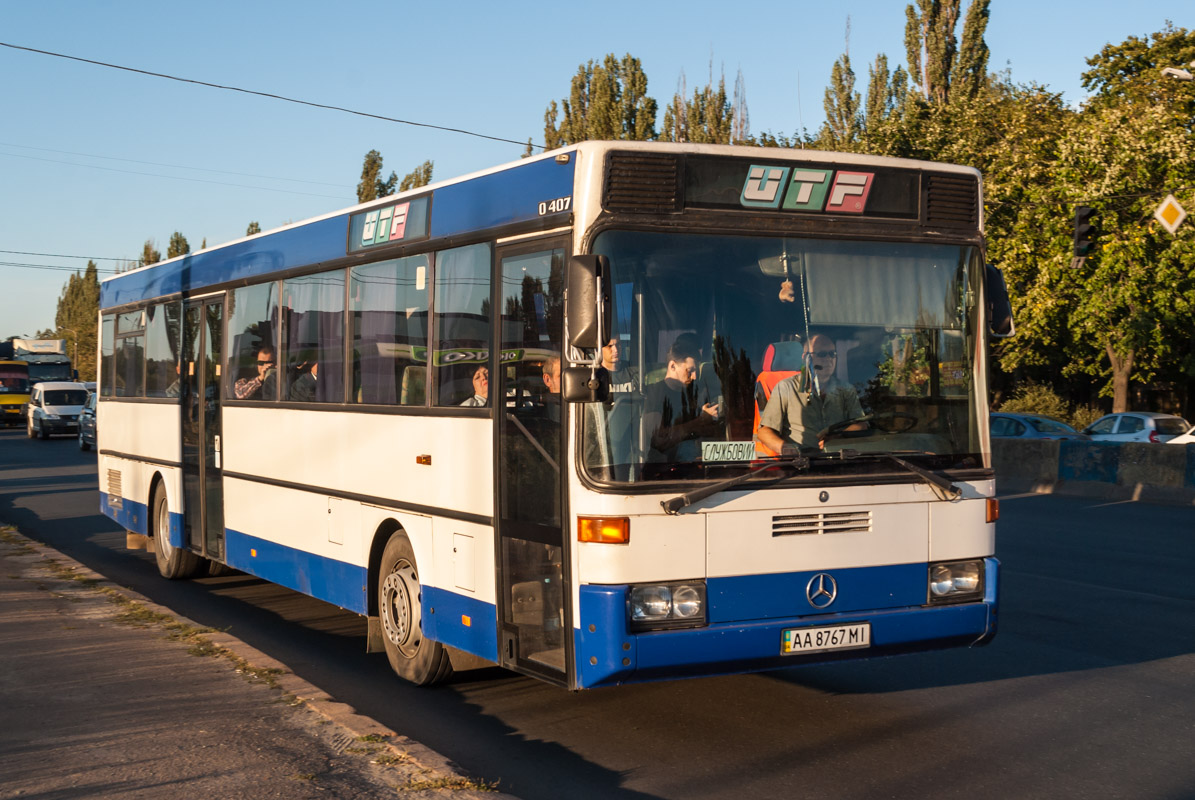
(42, 433)
(415, 658)
(217, 570)
(29, 427)
(174, 563)
(83, 445)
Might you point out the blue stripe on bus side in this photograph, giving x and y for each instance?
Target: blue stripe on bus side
(466, 623)
(130, 515)
(500, 198)
(753, 597)
(336, 582)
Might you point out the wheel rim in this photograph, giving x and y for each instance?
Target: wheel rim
(162, 529)
(400, 609)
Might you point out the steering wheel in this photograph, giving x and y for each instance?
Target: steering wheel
(895, 421)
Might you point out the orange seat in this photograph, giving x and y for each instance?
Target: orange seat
(781, 360)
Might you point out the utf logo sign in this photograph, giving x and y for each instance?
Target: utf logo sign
(802, 189)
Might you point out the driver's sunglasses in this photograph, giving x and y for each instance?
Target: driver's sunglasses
(259, 361)
(824, 353)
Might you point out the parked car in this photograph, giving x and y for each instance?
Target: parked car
(1186, 438)
(1031, 426)
(54, 407)
(1137, 426)
(87, 423)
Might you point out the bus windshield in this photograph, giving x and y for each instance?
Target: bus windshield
(844, 348)
(13, 379)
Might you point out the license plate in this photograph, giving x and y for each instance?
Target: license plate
(818, 640)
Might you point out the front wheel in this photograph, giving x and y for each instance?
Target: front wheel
(414, 657)
(29, 428)
(83, 445)
(173, 562)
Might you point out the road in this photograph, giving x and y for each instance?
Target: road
(1088, 690)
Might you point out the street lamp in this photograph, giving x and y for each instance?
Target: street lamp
(1180, 74)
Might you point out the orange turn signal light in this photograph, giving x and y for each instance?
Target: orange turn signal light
(605, 530)
(993, 509)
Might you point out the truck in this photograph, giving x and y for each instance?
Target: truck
(47, 359)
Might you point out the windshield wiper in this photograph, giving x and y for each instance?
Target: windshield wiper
(798, 462)
(937, 479)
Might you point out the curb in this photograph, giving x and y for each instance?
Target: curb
(435, 772)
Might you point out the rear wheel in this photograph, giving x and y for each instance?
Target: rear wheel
(83, 445)
(173, 562)
(414, 657)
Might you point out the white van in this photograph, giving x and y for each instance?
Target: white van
(54, 407)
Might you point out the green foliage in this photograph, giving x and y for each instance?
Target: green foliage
(149, 254)
(253, 228)
(372, 186)
(606, 101)
(178, 245)
(1035, 398)
(844, 122)
(420, 176)
(706, 118)
(75, 319)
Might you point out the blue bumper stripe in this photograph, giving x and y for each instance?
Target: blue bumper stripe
(464, 622)
(334, 581)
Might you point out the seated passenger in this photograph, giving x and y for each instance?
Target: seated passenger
(304, 388)
(623, 378)
(263, 386)
(809, 402)
(672, 414)
(481, 388)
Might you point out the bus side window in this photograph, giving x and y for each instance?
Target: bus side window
(252, 325)
(462, 311)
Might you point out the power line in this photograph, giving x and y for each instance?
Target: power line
(172, 166)
(172, 177)
(50, 267)
(60, 255)
(268, 94)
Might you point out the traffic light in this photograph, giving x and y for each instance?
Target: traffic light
(1085, 231)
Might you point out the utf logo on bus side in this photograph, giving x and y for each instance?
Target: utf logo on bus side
(806, 189)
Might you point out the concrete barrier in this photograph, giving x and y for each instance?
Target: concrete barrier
(1158, 473)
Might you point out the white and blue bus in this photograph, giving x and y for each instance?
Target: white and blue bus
(515, 418)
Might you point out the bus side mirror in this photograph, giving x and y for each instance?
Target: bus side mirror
(585, 385)
(999, 307)
(588, 323)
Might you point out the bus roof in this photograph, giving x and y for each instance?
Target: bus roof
(507, 194)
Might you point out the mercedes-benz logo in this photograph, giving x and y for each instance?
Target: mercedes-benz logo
(821, 590)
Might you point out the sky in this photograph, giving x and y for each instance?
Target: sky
(94, 161)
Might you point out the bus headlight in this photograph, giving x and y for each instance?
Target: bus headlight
(667, 605)
(956, 581)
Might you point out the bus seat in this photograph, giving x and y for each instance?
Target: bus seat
(414, 386)
(781, 361)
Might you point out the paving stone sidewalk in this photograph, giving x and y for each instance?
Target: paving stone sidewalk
(104, 694)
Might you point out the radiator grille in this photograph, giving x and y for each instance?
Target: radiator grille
(824, 522)
(952, 202)
(642, 182)
(114, 493)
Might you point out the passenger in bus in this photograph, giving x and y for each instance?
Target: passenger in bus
(672, 414)
(263, 386)
(481, 388)
(304, 388)
(551, 374)
(804, 405)
(623, 377)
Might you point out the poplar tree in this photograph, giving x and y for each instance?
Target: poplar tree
(372, 186)
(149, 254)
(253, 228)
(843, 122)
(420, 176)
(607, 100)
(705, 118)
(178, 245)
(75, 319)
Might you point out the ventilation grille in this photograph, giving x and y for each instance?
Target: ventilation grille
(645, 183)
(837, 522)
(952, 202)
(114, 493)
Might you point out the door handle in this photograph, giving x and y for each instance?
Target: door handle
(216, 450)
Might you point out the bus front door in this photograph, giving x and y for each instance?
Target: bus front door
(203, 326)
(532, 557)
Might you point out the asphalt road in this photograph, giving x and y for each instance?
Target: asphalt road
(1088, 690)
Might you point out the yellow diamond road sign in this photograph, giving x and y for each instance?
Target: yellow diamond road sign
(1170, 214)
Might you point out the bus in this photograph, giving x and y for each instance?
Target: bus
(14, 391)
(515, 418)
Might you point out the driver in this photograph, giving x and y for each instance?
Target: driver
(809, 402)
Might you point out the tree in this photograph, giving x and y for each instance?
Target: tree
(705, 118)
(372, 186)
(178, 245)
(971, 70)
(75, 319)
(884, 93)
(149, 254)
(606, 101)
(843, 122)
(420, 176)
(253, 228)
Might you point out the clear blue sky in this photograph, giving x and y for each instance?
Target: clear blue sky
(94, 161)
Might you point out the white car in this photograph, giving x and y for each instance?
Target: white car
(1186, 438)
(54, 407)
(1137, 426)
